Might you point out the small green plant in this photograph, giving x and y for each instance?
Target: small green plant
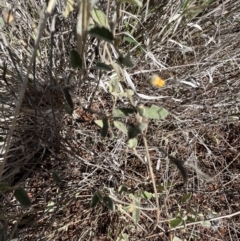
(104, 199)
(120, 116)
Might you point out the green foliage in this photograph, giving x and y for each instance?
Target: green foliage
(126, 60)
(99, 123)
(105, 200)
(130, 40)
(108, 202)
(134, 131)
(153, 112)
(132, 143)
(104, 130)
(123, 189)
(120, 126)
(95, 200)
(123, 237)
(102, 33)
(133, 208)
(175, 222)
(99, 17)
(102, 66)
(22, 197)
(122, 112)
(146, 195)
(2, 23)
(75, 59)
(206, 224)
(188, 215)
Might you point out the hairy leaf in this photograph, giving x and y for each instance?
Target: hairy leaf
(122, 112)
(132, 143)
(120, 126)
(76, 60)
(175, 222)
(101, 33)
(126, 60)
(134, 131)
(22, 197)
(134, 208)
(153, 112)
(99, 17)
(104, 130)
(108, 202)
(95, 200)
(102, 66)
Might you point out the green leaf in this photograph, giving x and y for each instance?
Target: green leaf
(56, 178)
(22, 197)
(186, 197)
(108, 202)
(114, 85)
(191, 218)
(129, 92)
(99, 123)
(95, 200)
(122, 189)
(206, 224)
(2, 23)
(76, 60)
(137, 3)
(153, 112)
(134, 131)
(122, 94)
(129, 39)
(122, 112)
(175, 222)
(132, 143)
(146, 195)
(123, 237)
(126, 60)
(120, 126)
(99, 17)
(133, 208)
(68, 109)
(104, 130)
(101, 33)
(102, 66)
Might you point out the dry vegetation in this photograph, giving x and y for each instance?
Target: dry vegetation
(61, 159)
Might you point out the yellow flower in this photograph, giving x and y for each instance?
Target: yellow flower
(157, 81)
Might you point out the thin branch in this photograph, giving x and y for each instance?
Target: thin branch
(152, 177)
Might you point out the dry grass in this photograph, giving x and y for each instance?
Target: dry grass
(196, 52)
